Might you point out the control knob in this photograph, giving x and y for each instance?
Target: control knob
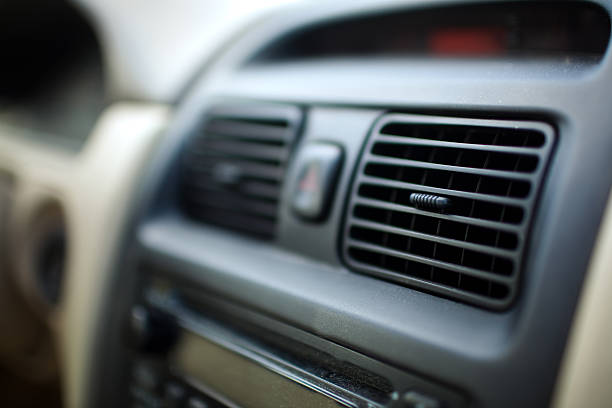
(151, 330)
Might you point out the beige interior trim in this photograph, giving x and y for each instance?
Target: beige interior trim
(586, 374)
(95, 188)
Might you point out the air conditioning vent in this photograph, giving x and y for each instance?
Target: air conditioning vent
(444, 204)
(234, 167)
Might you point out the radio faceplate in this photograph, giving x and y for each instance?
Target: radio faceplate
(251, 381)
(226, 356)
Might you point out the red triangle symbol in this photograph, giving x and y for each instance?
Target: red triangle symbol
(310, 180)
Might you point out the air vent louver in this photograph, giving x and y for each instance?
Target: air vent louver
(486, 173)
(234, 167)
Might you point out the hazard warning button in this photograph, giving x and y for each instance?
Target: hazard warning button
(314, 188)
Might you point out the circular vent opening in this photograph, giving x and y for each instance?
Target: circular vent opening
(47, 248)
(49, 264)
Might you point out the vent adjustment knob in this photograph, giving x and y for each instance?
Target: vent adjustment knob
(429, 201)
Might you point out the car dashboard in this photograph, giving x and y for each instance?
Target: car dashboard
(358, 204)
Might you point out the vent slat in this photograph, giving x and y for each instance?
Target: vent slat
(409, 233)
(467, 134)
(431, 262)
(461, 157)
(269, 193)
(261, 190)
(376, 159)
(440, 143)
(236, 129)
(450, 217)
(234, 166)
(487, 175)
(206, 162)
(206, 177)
(481, 297)
(250, 150)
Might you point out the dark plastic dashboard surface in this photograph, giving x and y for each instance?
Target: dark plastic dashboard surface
(496, 359)
(480, 30)
(52, 87)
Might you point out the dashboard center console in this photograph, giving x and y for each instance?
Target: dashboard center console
(194, 351)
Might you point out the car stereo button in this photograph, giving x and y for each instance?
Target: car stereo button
(414, 399)
(195, 402)
(145, 375)
(174, 395)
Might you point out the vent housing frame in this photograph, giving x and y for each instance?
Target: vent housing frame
(238, 156)
(421, 248)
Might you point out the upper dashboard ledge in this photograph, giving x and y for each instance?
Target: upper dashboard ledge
(513, 31)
